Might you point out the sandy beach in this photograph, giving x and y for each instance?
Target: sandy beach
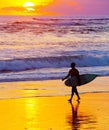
(55, 112)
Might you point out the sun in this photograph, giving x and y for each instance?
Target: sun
(29, 6)
(33, 7)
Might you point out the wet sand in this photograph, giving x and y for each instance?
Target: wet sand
(56, 113)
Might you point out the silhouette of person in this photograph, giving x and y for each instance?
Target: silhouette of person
(73, 72)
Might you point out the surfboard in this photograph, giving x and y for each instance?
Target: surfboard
(84, 79)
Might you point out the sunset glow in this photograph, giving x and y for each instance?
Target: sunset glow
(54, 7)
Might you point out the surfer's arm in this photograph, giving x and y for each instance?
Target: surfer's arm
(66, 76)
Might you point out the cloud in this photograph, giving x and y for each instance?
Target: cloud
(12, 9)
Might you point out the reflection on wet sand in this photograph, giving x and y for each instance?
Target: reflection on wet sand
(78, 120)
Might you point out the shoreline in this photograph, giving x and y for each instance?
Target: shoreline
(49, 88)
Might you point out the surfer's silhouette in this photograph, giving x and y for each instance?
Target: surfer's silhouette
(73, 72)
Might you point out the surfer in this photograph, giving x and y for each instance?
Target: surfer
(73, 72)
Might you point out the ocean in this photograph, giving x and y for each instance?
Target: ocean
(41, 48)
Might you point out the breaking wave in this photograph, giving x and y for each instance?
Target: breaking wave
(51, 62)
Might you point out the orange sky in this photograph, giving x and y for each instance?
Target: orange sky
(55, 7)
(16, 7)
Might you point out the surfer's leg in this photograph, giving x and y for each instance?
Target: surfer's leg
(76, 92)
(72, 93)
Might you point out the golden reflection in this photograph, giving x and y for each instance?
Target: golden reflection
(31, 110)
(55, 113)
(80, 120)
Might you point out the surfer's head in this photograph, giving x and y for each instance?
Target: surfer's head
(73, 64)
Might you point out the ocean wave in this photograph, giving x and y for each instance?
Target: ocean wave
(38, 26)
(50, 74)
(52, 62)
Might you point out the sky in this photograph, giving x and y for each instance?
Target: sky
(54, 7)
